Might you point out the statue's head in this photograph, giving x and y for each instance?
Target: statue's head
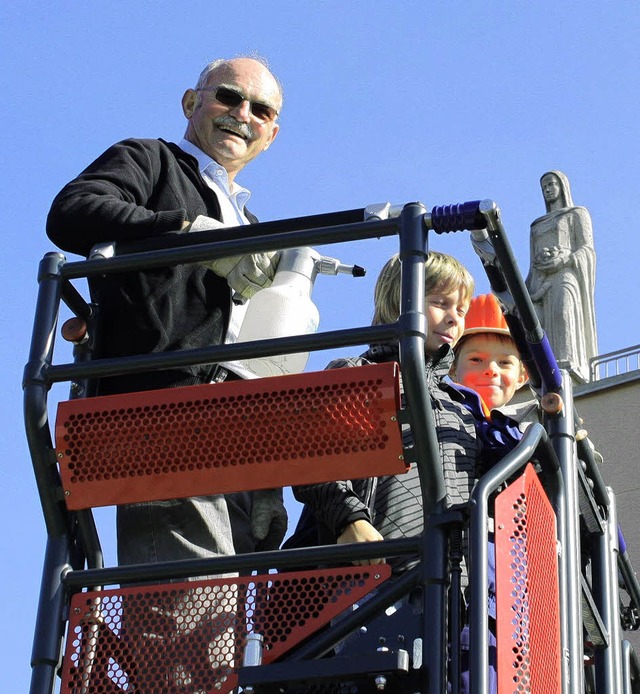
(556, 190)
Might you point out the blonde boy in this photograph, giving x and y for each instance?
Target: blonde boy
(391, 507)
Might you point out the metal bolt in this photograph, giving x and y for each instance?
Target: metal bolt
(67, 492)
(252, 655)
(60, 455)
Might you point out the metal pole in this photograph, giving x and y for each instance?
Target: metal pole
(47, 640)
(562, 435)
(36, 386)
(606, 594)
(413, 254)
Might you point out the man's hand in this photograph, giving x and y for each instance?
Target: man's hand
(245, 274)
(269, 519)
(361, 531)
(202, 223)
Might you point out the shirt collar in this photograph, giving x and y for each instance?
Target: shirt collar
(205, 161)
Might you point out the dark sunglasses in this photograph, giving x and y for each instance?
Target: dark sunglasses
(228, 97)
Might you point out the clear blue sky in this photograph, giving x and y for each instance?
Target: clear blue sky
(384, 100)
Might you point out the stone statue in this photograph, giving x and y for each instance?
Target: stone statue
(561, 278)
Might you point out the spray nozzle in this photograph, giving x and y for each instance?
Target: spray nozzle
(332, 266)
(309, 263)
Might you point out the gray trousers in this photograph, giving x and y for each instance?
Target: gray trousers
(197, 527)
(155, 531)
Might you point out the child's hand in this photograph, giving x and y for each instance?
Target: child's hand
(361, 531)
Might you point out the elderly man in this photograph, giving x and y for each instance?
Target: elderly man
(139, 189)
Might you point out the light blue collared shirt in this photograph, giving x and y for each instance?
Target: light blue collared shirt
(232, 197)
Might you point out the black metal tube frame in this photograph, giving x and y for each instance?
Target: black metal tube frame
(62, 575)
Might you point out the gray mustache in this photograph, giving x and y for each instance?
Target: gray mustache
(244, 128)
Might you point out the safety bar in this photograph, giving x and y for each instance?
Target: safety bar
(534, 445)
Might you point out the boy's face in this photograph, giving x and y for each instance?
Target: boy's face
(490, 365)
(445, 319)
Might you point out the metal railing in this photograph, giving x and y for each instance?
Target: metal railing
(622, 361)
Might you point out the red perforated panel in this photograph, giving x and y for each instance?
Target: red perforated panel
(189, 637)
(236, 436)
(527, 594)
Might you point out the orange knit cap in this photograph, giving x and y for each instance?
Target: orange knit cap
(485, 316)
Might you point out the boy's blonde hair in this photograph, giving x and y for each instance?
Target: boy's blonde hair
(443, 274)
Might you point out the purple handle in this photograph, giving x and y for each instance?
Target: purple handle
(621, 542)
(547, 365)
(457, 217)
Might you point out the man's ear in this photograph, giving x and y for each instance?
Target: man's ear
(274, 131)
(189, 102)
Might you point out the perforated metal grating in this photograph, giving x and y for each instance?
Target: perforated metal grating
(226, 437)
(527, 593)
(189, 637)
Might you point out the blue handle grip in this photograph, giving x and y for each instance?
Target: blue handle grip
(621, 542)
(457, 217)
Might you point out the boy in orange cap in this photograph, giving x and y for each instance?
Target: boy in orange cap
(487, 359)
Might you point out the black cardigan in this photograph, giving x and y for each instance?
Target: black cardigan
(139, 189)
